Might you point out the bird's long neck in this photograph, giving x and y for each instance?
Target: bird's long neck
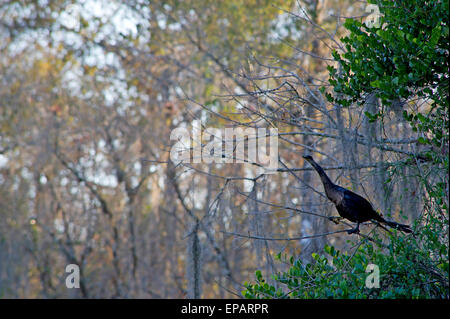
(327, 183)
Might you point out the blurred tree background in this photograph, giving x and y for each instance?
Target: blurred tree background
(92, 89)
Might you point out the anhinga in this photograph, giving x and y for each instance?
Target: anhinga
(350, 205)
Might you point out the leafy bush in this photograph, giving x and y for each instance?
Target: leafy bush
(415, 266)
(404, 55)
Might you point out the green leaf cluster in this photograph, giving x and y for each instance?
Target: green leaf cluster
(405, 55)
(409, 267)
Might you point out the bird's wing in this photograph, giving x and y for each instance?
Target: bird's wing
(357, 200)
(359, 207)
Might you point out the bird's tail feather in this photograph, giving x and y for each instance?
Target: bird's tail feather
(402, 227)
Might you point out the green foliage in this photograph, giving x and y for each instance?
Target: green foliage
(410, 267)
(405, 55)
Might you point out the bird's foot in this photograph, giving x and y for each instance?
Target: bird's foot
(353, 231)
(336, 219)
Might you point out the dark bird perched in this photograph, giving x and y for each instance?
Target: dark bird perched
(350, 205)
